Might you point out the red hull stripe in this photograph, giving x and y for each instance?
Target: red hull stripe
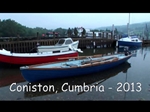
(33, 60)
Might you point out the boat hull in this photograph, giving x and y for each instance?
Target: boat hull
(37, 59)
(33, 75)
(126, 43)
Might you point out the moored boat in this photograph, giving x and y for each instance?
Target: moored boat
(33, 58)
(93, 79)
(63, 44)
(129, 41)
(73, 67)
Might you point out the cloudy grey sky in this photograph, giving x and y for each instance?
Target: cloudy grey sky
(66, 20)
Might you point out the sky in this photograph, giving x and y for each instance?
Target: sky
(72, 20)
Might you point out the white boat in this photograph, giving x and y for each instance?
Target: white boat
(63, 44)
(129, 40)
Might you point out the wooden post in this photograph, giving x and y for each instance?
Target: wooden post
(93, 35)
(103, 34)
(37, 35)
(53, 35)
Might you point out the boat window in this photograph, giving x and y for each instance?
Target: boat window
(68, 42)
(60, 41)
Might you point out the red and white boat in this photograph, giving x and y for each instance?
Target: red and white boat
(63, 44)
(35, 58)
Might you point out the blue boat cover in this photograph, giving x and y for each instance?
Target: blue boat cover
(133, 36)
(124, 35)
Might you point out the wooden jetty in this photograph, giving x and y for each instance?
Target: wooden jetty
(30, 45)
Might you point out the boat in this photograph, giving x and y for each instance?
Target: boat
(20, 59)
(63, 44)
(129, 40)
(93, 79)
(81, 65)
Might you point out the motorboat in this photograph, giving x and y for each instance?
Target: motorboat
(63, 44)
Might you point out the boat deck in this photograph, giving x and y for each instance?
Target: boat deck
(79, 62)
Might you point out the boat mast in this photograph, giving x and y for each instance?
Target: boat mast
(128, 24)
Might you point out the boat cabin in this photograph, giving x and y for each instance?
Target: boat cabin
(64, 41)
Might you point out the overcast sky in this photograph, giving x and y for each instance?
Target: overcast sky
(66, 20)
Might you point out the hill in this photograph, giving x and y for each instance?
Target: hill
(136, 28)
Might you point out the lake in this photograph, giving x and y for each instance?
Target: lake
(128, 81)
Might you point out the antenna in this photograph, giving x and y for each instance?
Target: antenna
(129, 18)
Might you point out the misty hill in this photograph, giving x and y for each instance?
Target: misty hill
(136, 28)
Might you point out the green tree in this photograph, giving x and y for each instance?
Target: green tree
(83, 32)
(69, 32)
(75, 32)
(116, 31)
(61, 31)
(10, 28)
(1, 29)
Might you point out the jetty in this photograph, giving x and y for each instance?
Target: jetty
(30, 44)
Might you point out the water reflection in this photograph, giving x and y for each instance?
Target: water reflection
(133, 50)
(91, 79)
(135, 70)
(10, 75)
(109, 50)
(144, 51)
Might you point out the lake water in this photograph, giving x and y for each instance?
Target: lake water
(128, 81)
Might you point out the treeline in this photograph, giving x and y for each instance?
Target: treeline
(10, 28)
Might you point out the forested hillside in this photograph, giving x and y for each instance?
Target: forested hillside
(11, 28)
(137, 28)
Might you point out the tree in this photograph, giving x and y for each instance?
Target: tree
(69, 32)
(10, 28)
(108, 30)
(83, 32)
(101, 30)
(1, 29)
(76, 32)
(115, 31)
(61, 31)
